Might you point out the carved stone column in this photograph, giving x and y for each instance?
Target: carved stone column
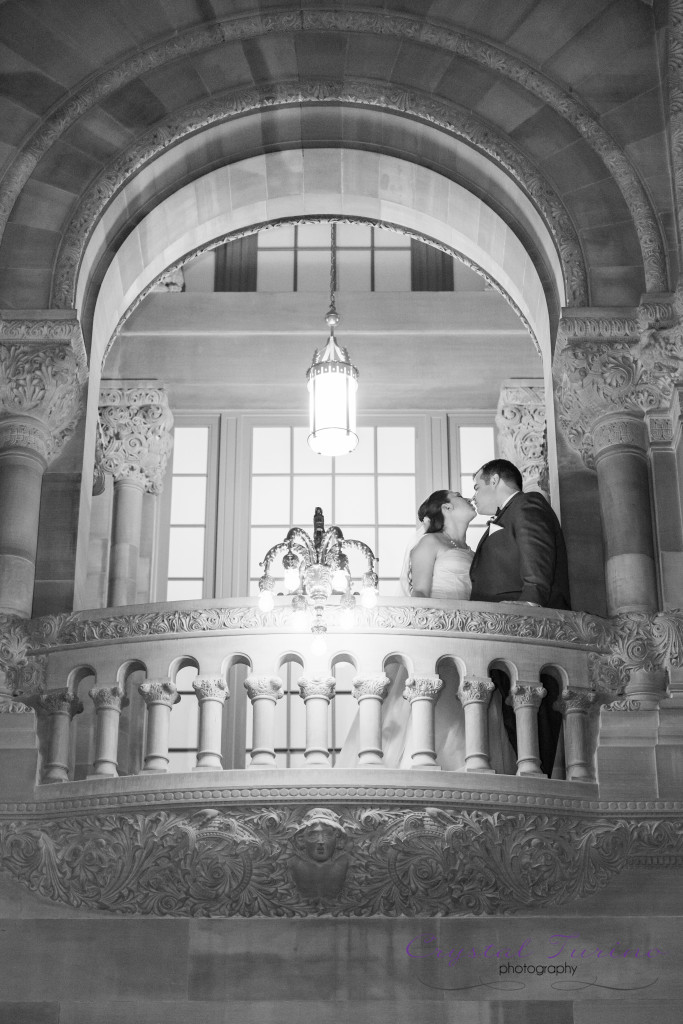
(61, 706)
(40, 404)
(211, 693)
(264, 693)
(159, 695)
(370, 692)
(317, 694)
(108, 701)
(526, 700)
(423, 693)
(135, 427)
(522, 432)
(475, 696)
(574, 707)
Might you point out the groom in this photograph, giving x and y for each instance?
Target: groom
(522, 559)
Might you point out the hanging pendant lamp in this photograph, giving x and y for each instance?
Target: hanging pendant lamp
(332, 385)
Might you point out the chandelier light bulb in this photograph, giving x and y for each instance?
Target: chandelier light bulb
(368, 597)
(340, 579)
(266, 601)
(291, 579)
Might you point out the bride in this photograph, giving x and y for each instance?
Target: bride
(436, 566)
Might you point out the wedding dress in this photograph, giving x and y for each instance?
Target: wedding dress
(450, 582)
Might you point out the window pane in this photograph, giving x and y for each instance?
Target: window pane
(393, 239)
(305, 459)
(313, 274)
(184, 590)
(270, 450)
(362, 458)
(353, 234)
(190, 449)
(270, 500)
(392, 545)
(353, 271)
(310, 492)
(275, 270)
(358, 564)
(396, 449)
(262, 540)
(186, 551)
(274, 237)
(476, 447)
(355, 500)
(392, 271)
(199, 273)
(345, 709)
(318, 235)
(184, 679)
(396, 499)
(184, 723)
(188, 499)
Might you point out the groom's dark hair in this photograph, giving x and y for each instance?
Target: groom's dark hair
(507, 471)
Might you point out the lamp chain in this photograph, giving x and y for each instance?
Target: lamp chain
(333, 266)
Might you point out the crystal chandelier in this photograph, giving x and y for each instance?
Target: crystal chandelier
(332, 385)
(315, 568)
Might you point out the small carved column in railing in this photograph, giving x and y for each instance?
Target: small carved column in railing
(212, 692)
(475, 696)
(264, 692)
(61, 706)
(159, 695)
(370, 692)
(526, 700)
(423, 693)
(575, 706)
(108, 701)
(317, 694)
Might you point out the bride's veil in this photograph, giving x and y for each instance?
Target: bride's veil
(404, 579)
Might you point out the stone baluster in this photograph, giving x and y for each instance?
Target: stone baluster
(526, 700)
(264, 692)
(370, 692)
(108, 701)
(212, 692)
(40, 405)
(135, 430)
(475, 696)
(574, 707)
(159, 695)
(317, 692)
(423, 693)
(61, 706)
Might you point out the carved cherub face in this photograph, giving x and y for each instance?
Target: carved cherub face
(320, 842)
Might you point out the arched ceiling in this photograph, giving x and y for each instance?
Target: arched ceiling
(565, 97)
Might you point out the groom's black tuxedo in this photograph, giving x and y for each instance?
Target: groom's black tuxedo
(525, 559)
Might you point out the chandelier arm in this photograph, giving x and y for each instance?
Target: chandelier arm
(359, 545)
(271, 555)
(296, 534)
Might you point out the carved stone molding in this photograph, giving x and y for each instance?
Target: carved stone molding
(57, 702)
(576, 700)
(628, 704)
(423, 688)
(20, 674)
(264, 686)
(109, 697)
(475, 691)
(527, 695)
(371, 686)
(522, 432)
(211, 688)
(660, 429)
(675, 93)
(621, 431)
(135, 427)
(390, 861)
(48, 327)
(159, 691)
(317, 686)
(41, 396)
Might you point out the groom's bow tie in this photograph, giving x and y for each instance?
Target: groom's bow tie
(494, 516)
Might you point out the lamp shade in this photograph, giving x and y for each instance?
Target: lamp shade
(332, 386)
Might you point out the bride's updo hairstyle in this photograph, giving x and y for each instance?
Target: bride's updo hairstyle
(431, 510)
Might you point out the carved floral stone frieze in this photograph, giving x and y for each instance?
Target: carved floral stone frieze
(248, 861)
(522, 437)
(135, 430)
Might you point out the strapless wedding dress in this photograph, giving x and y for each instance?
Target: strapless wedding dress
(451, 576)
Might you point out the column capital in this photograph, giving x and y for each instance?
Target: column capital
(211, 688)
(623, 362)
(527, 695)
(423, 688)
(522, 435)
(263, 686)
(159, 691)
(371, 686)
(135, 429)
(576, 700)
(56, 702)
(317, 686)
(109, 697)
(42, 373)
(473, 690)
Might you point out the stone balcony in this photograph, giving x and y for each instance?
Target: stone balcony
(239, 817)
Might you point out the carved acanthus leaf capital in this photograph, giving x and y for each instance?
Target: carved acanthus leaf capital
(135, 428)
(521, 426)
(56, 702)
(264, 686)
(211, 688)
(581, 701)
(527, 695)
(473, 690)
(109, 697)
(371, 686)
(41, 395)
(317, 686)
(423, 688)
(159, 691)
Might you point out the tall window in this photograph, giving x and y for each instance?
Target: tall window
(369, 494)
(187, 534)
(476, 445)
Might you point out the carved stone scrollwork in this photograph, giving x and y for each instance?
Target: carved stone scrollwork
(317, 686)
(423, 688)
(522, 437)
(263, 686)
(211, 688)
(356, 861)
(371, 686)
(475, 691)
(527, 696)
(159, 691)
(59, 702)
(109, 697)
(135, 427)
(629, 704)
(576, 700)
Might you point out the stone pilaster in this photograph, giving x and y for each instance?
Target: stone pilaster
(159, 695)
(370, 692)
(264, 692)
(317, 692)
(212, 693)
(522, 431)
(526, 700)
(135, 430)
(108, 701)
(475, 695)
(42, 373)
(423, 693)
